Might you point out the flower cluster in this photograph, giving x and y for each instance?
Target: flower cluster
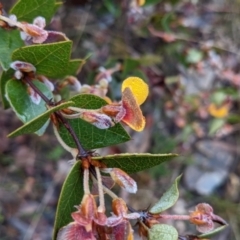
(34, 32)
(90, 223)
(204, 218)
(134, 93)
(22, 69)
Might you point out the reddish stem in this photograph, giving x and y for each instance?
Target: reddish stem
(174, 217)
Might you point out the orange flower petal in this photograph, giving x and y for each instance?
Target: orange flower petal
(141, 2)
(133, 117)
(138, 87)
(218, 112)
(119, 207)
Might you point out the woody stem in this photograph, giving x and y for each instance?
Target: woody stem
(81, 151)
(174, 217)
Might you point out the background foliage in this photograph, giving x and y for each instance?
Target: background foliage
(185, 76)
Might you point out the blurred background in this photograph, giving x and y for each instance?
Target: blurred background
(188, 52)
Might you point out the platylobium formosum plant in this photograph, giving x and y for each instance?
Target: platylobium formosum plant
(31, 64)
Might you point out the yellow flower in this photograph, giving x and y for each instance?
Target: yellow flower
(218, 112)
(134, 93)
(141, 2)
(138, 87)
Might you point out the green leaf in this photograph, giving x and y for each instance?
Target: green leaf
(21, 103)
(90, 136)
(129, 65)
(212, 233)
(27, 10)
(74, 66)
(5, 77)
(162, 231)
(9, 41)
(168, 199)
(151, 2)
(71, 195)
(233, 118)
(51, 60)
(135, 162)
(112, 7)
(215, 125)
(36, 123)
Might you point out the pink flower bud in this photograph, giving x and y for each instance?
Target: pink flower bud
(35, 98)
(37, 34)
(14, 19)
(18, 74)
(24, 36)
(22, 66)
(99, 120)
(40, 22)
(123, 180)
(48, 83)
(74, 82)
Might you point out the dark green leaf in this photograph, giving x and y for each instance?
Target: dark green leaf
(167, 20)
(136, 162)
(74, 66)
(162, 231)
(151, 2)
(112, 7)
(21, 103)
(9, 41)
(27, 10)
(168, 199)
(71, 195)
(90, 136)
(35, 124)
(212, 233)
(233, 118)
(51, 60)
(6, 76)
(129, 65)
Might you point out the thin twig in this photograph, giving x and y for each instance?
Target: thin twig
(81, 151)
(28, 80)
